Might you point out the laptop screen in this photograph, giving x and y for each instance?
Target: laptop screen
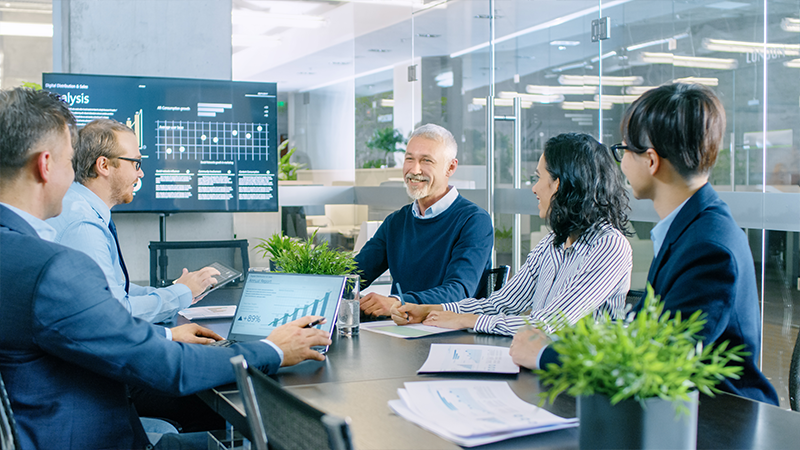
(270, 300)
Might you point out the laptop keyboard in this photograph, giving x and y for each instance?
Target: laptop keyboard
(222, 343)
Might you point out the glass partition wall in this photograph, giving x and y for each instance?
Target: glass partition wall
(408, 63)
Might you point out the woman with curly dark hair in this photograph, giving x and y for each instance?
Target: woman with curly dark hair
(582, 266)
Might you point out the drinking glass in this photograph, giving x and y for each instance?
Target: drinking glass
(350, 307)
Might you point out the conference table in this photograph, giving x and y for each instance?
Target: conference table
(361, 374)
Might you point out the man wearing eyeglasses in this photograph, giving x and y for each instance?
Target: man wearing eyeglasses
(107, 167)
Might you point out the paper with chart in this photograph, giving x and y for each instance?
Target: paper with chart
(471, 413)
(410, 331)
(468, 358)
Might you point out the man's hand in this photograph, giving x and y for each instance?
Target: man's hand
(377, 305)
(296, 341)
(449, 319)
(199, 280)
(192, 333)
(411, 312)
(527, 344)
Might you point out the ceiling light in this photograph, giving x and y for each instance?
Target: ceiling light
(621, 99)
(565, 43)
(444, 79)
(689, 61)
(657, 42)
(638, 90)
(261, 20)
(720, 45)
(794, 64)
(387, 102)
(26, 29)
(791, 24)
(249, 40)
(592, 80)
(536, 98)
(564, 90)
(698, 80)
(580, 106)
(502, 102)
(598, 58)
(571, 66)
(727, 5)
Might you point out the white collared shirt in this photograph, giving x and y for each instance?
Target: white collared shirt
(438, 207)
(42, 228)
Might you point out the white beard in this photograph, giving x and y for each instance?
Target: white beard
(420, 192)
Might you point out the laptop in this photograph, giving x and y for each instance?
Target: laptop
(271, 299)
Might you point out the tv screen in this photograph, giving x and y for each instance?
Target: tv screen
(207, 145)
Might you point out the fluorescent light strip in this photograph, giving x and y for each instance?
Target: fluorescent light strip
(387, 102)
(698, 80)
(502, 102)
(570, 66)
(26, 29)
(564, 90)
(689, 61)
(353, 77)
(607, 55)
(791, 24)
(720, 45)
(541, 26)
(657, 42)
(581, 106)
(621, 99)
(794, 64)
(593, 80)
(536, 98)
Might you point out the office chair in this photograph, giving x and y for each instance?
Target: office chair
(279, 420)
(8, 427)
(634, 297)
(794, 377)
(494, 280)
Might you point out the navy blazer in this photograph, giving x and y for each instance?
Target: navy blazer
(68, 348)
(705, 263)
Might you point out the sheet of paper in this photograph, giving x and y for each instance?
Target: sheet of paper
(209, 312)
(415, 330)
(471, 413)
(468, 358)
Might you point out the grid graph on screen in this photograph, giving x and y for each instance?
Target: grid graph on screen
(211, 141)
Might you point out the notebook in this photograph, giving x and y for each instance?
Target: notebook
(271, 299)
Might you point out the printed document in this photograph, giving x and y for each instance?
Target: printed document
(471, 413)
(208, 312)
(410, 331)
(468, 358)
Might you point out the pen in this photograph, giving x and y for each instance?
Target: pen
(314, 323)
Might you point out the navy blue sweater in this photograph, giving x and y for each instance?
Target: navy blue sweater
(435, 260)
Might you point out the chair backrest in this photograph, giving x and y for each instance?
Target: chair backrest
(8, 427)
(634, 297)
(495, 279)
(194, 255)
(280, 421)
(794, 377)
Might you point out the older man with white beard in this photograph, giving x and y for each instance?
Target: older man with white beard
(438, 247)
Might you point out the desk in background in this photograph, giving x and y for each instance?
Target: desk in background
(362, 374)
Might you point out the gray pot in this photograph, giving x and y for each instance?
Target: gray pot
(627, 425)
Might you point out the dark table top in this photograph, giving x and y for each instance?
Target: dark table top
(363, 373)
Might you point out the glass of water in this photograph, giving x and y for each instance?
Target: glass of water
(350, 307)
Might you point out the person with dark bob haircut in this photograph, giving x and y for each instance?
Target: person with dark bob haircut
(582, 266)
(672, 135)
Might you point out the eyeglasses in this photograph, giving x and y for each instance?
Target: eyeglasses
(138, 161)
(618, 151)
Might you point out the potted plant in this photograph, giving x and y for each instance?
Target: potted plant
(287, 170)
(386, 139)
(293, 255)
(637, 380)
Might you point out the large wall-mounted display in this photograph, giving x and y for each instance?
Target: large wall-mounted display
(207, 145)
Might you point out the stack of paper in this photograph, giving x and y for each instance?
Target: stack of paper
(471, 413)
(468, 358)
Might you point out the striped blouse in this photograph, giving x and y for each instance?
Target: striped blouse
(558, 283)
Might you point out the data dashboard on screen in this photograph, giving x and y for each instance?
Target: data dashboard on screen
(206, 145)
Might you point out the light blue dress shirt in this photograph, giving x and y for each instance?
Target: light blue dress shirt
(659, 232)
(42, 228)
(436, 208)
(83, 225)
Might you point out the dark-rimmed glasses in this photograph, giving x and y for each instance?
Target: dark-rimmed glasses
(138, 161)
(618, 150)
